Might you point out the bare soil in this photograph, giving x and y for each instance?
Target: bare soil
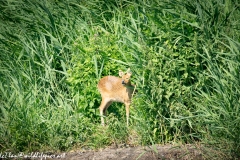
(158, 152)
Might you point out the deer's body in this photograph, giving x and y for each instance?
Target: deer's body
(115, 89)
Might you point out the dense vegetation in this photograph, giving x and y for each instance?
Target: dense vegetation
(184, 55)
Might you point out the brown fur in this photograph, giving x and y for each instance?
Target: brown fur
(115, 89)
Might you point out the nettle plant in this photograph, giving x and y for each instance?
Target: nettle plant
(96, 53)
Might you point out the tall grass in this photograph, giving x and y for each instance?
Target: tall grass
(36, 109)
(219, 103)
(184, 57)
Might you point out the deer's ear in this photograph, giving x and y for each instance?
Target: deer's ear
(129, 72)
(121, 73)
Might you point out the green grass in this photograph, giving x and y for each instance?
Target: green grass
(184, 56)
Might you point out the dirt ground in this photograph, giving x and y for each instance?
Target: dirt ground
(164, 152)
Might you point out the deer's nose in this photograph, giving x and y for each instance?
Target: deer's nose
(123, 82)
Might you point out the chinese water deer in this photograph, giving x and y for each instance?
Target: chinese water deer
(115, 89)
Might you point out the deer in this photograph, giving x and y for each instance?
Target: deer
(115, 89)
